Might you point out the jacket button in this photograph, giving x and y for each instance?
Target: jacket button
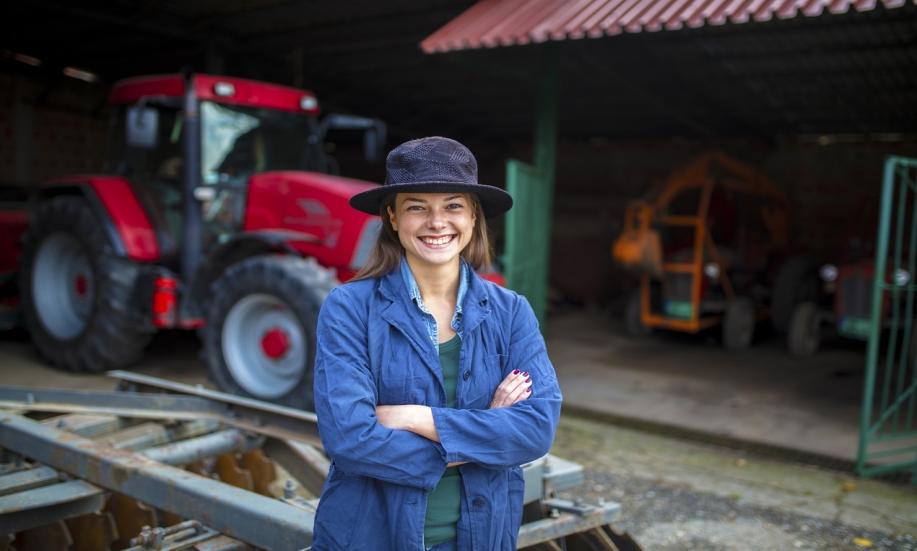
(466, 375)
(478, 502)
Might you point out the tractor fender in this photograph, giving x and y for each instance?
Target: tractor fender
(117, 208)
(236, 249)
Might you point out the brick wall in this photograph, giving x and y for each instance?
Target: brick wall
(49, 129)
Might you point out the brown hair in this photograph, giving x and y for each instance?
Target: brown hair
(388, 251)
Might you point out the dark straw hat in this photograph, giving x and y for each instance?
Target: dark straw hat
(432, 165)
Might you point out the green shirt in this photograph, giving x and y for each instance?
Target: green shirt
(444, 504)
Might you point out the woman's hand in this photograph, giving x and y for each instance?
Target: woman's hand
(517, 386)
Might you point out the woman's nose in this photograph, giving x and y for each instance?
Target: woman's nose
(436, 219)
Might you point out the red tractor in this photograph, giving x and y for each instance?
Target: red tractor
(216, 215)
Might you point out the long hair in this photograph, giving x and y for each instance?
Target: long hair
(388, 251)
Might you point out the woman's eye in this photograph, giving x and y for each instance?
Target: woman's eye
(415, 208)
(455, 206)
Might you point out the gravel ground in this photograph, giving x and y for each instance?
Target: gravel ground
(698, 504)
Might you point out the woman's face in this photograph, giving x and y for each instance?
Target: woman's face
(433, 228)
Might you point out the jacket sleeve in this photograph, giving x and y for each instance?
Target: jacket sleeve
(345, 402)
(523, 432)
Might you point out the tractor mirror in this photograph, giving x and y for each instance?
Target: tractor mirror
(142, 126)
(374, 131)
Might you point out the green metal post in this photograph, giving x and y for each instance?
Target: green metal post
(528, 224)
(872, 350)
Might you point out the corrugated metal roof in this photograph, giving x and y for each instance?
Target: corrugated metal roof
(492, 23)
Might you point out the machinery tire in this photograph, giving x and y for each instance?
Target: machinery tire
(739, 324)
(259, 340)
(632, 322)
(804, 336)
(797, 281)
(76, 293)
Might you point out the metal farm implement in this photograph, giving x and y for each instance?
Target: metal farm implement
(162, 465)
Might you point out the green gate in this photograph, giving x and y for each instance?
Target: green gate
(528, 223)
(528, 232)
(888, 432)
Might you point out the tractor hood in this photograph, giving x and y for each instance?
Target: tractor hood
(313, 208)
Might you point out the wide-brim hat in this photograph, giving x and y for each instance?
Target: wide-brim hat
(432, 165)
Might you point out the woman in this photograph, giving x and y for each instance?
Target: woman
(432, 385)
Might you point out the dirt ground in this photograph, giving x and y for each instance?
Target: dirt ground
(679, 495)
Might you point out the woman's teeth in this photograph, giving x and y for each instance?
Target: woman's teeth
(437, 240)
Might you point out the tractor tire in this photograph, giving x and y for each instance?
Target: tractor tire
(797, 282)
(76, 293)
(632, 320)
(739, 324)
(804, 336)
(259, 340)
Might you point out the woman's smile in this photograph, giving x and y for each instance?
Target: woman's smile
(437, 242)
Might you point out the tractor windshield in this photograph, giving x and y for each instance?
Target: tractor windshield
(237, 142)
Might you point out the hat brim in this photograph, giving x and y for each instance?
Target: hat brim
(494, 201)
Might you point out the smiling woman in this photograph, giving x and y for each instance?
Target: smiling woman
(432, 386)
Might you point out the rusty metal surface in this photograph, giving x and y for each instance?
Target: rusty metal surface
(92, 531)
(252, 518)
(147, 491)
(493, 23)
(305, 463)
(202, 447)
(581, 518)
(27, 479)
(48, 504)
(249, 415)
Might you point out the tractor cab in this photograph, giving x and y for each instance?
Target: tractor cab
(190, 146)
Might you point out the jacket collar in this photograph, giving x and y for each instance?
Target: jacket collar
(392, 287)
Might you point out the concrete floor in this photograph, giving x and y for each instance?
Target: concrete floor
(690, 382)
(761, 395)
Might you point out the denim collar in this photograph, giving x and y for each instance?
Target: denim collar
(411, 283)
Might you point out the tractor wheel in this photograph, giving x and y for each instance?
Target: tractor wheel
(632, 320)
(76, 294)
(260, 335)
(797, 282)
(804, 336)
(739, 324)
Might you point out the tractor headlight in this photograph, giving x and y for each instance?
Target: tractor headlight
(712, 270)
(828, 273)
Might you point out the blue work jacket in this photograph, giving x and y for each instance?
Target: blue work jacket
(373, 349)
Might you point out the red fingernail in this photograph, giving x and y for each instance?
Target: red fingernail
(515, 372)
(526, 373)
(527, 379)
(529, 389)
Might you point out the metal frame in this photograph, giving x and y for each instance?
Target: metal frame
(242, 413)
(888, 419)
(148, 476)
(250, 517)
(640, 216)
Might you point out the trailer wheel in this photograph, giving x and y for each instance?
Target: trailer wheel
(632, 319)
(797, 282)
(260, 335)
(804, 336)
(76, 293)
(739, 324)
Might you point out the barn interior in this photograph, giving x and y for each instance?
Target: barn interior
(815, 100)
